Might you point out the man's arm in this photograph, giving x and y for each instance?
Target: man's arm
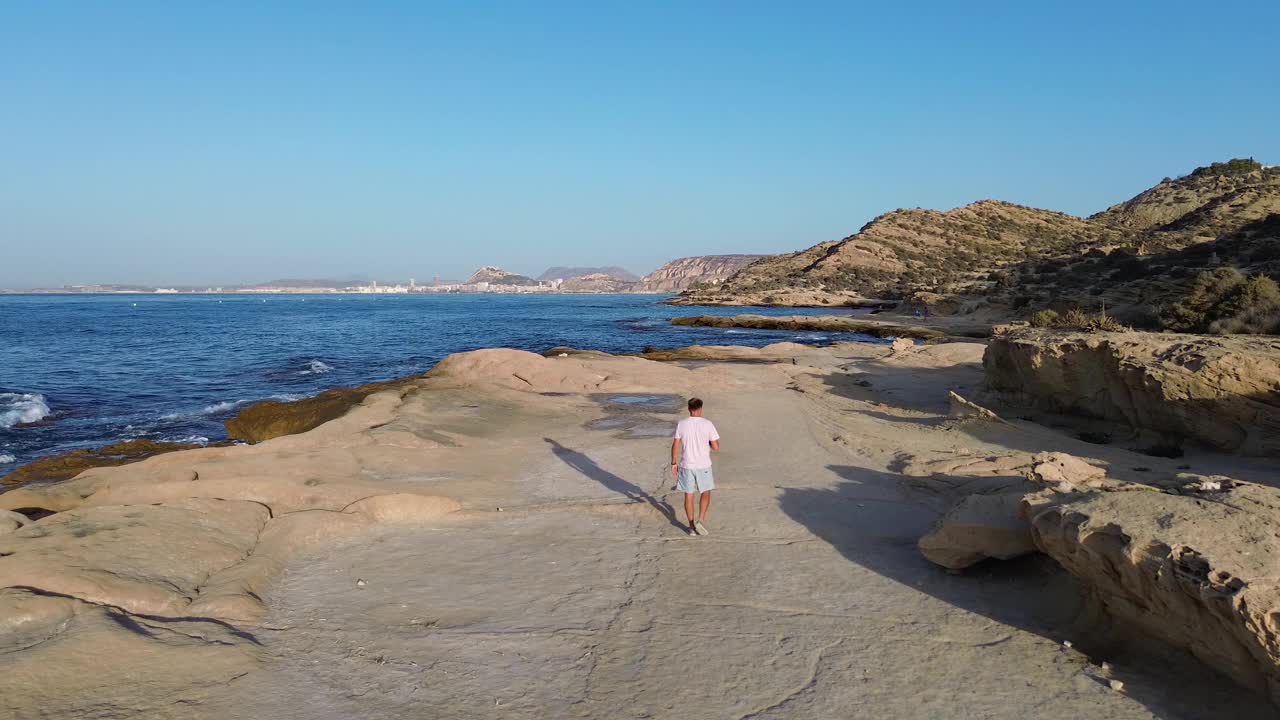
(675, 455)
(715, 445)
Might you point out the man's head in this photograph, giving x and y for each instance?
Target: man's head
(695, 407)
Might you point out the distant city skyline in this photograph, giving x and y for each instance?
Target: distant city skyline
(236, 143)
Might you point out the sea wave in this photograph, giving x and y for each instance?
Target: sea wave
(227, 405)
(316, 367)
(6, 458)
(222, 407)
(17, 408)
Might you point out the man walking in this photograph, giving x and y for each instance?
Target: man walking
(691, 448)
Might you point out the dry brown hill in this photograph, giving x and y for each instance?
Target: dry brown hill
(1211, 200)
(908, 251)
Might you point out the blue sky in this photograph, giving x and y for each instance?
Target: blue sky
(237, 141)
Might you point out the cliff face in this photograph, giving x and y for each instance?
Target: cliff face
(679, 275)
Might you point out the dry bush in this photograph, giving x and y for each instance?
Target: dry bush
(1081, 321)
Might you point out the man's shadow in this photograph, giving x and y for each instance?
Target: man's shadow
(588, 467)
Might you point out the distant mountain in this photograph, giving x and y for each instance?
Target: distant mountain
(498, 276)
(595, 283)
(684, 273)
(562, 272)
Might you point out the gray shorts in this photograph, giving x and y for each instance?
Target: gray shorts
(695, 480)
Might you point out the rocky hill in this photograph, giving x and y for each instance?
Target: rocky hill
(595, 283)
(1137, 260)
(909, 251)
(498, 276)
(700, 271)
(563, 272)
(1211, 200)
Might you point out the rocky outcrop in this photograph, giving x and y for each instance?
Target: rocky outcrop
(1223, 392)
(818, 323)
(272, 418)
(1189, 560)
(1196, 570)
(987, 521)
(978, 527)
(679, 275)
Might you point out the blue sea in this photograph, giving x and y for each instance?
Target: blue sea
(86, 370)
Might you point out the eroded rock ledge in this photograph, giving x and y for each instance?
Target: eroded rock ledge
(1187, 559)
(1223, 392)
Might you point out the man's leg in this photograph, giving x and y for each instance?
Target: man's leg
(704, 502)
(688, 507)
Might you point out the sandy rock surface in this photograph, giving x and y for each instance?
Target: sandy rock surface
(500, 537)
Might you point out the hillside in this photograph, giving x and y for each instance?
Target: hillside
(1146, 291)
(1237, 191)
(565, 272)
(684, 273)
(908, 251)
(1134, 260)
(498, 276)
(595, 283)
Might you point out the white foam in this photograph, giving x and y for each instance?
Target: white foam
(17, 408)
(316, 367)
(288, 397)
(6, 459)
(222, 407)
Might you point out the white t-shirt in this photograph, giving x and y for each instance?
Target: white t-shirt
(695, 435)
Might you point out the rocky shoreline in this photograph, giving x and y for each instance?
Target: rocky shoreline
(494, 528)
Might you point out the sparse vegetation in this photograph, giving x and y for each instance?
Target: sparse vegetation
(1224, 301)
(1230, 168)
(1044, 318)
(1081, 321)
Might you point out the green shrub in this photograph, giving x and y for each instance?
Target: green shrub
(1225, 302)
(1081, 321)
(1238, 166)
(1044, 318)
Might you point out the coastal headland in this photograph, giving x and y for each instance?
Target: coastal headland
(894, 535)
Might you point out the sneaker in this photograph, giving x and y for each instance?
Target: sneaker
(702, 529)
